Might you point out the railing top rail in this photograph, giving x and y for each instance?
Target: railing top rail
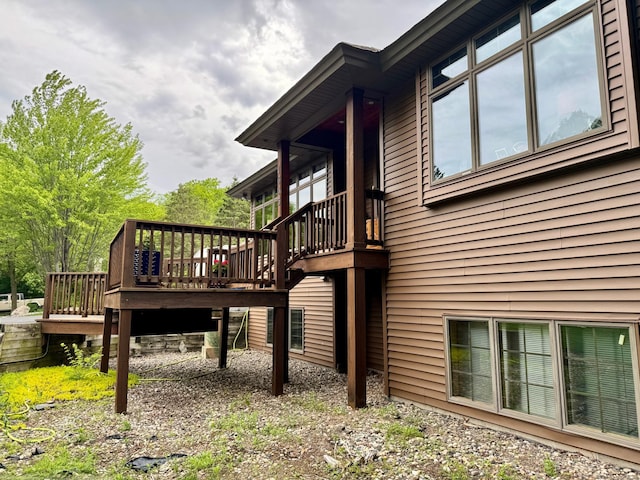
(76, 273)
(198, 228)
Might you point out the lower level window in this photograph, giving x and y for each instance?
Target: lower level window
(568, 375)
(296, 328)
(599, 379)
(526, 368)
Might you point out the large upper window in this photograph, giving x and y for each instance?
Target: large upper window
(532, 80)
(573, 376)
(265, 208)
(308, 185)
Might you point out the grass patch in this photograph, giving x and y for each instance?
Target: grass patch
(60, 463)
(398, 431)
(311, 402)
(60, 383)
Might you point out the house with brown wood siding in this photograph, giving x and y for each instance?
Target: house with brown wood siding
(461, 211)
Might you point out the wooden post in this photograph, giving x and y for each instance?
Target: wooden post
(279, 359)
(283, 178)
(223, 338)
(282, 252)
(356, 338)
(48, 300)
(355, 170)
(128, 247)
(106, 339)
(122, 369)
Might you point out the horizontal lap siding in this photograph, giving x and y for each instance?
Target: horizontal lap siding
(565, 247)
(315, 296)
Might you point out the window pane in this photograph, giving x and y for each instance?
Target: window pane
(599, 379)
(259, 219)
(451, 133)
(320, 190)
(303, 177)
(270, 326)
(269, 215)
(566, 82)
(526, 369)
(544, 12)
(304, 196)
(502, 114)
(319, 170)
(293, 204)
(498, 39)
(449, 68)
(470, 360)
(295, 329)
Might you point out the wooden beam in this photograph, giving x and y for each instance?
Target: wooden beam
(73, 326)
(356, 233)
(122, 369)
(356, 338)
(144, 298)
(106, 339)
(223, 338)
(369, 259)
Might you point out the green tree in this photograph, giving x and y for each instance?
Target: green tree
(235, 212)
(71, 174)
(195, 202)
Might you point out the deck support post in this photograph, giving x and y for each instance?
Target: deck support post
(223, 338)
(356, 338)
(279, 359)
(122, 369)
(356, 232)
(106, 339)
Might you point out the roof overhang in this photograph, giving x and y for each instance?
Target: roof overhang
(317, 95)
(321, 92)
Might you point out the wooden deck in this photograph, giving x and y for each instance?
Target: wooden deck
(167, 278)
(75, 324)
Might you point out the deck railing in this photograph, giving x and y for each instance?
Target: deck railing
(321, 227)
(169, 255)
(74, 294)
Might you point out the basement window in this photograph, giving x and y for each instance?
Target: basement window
(575, 377)
(296, 328)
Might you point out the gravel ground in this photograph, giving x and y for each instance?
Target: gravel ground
(227, 425)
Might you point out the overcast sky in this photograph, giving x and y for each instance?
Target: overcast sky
(189, 75)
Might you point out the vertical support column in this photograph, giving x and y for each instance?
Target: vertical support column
(48, 292)
(355, 169)
(282, 250)
(356, 338)
(279, 359)
(106, 339)
(224, 338)
(129, 240)
(283, 178)
(122, 369)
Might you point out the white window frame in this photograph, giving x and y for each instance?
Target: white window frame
(269, 311)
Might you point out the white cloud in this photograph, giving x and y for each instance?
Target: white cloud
(190, 75)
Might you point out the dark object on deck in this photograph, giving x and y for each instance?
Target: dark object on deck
(144, 464)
